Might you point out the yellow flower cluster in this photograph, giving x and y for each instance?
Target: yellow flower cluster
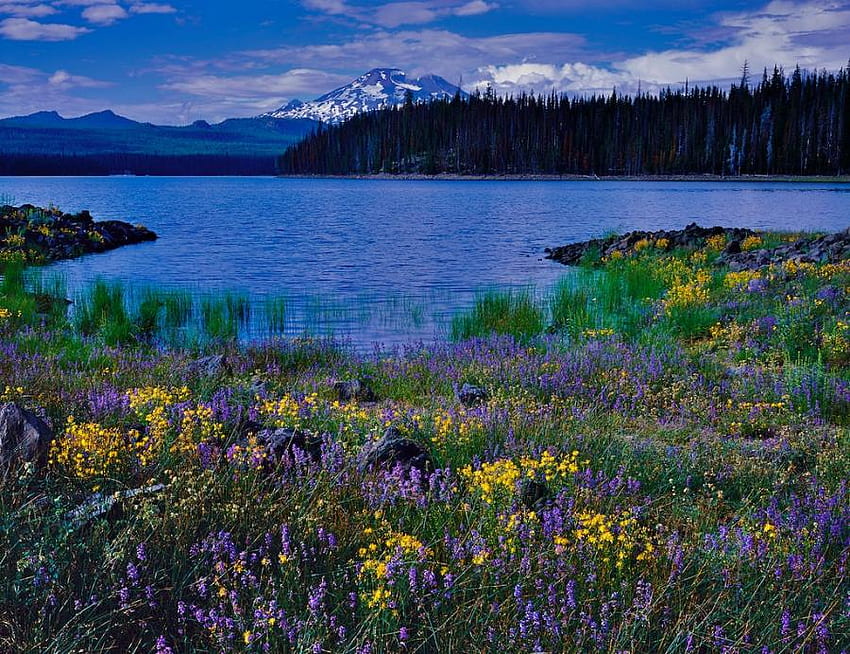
(11, 393)
(89, 450)
(740, 279)
(836, 344)
(15, 240)
(605, 332)
(496, 480)
(688, 292)
(798, 268)
(379, 553)
(616, 537)
(283, 412)
(196, 425)
(150, 396)
(644, 243)
(455, 430)
(751, 243)
(252, 454)
(715, 243)
(152, 404)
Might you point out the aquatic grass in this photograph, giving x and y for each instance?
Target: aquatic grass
(101, 310)
(179, 308)
(218, 323)
(514, 313)
(276, 312)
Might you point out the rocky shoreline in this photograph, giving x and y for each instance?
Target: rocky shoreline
(737, 254)
(31, 234)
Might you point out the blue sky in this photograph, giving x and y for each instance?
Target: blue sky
(173, 62)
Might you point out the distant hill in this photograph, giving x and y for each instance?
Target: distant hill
(105, 143)
(379, 88)
(797, 125)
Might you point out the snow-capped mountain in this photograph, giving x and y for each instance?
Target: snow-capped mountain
(379, 88)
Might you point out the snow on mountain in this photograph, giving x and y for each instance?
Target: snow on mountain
(379, 88)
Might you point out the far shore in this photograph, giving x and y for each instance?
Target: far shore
(795, 179)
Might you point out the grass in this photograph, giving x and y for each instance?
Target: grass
(512, 313)
(687, 426)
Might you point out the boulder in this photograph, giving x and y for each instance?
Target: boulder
(532, 493)
(281, 442)
(353, 390)
(470, 395)
(392, 450)
(24, 437)
(211, 366)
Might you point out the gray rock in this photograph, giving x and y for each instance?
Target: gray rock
(281, 443)
(532, 493)
(470, 395)
(23, 437)
(108, 506)
(211, 366)
(392, 450)
(353, 389)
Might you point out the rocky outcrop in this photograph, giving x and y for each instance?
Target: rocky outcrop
(829, 248)
(470, 395)
(693, 237)
(24, 437)
(41, 235)
(354, 390)
(392, 450)
(281, 443)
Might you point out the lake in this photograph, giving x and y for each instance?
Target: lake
(384, 260)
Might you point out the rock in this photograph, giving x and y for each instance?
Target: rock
(281, 443)
(211, 366)
(693, 236)
(108, 506)
(353, 389)
(24, 437)
(63, 236)
(470, 395)
(532, 493)
(392, 450)
(733, 247)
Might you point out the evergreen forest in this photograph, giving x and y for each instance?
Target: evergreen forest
(782, 125)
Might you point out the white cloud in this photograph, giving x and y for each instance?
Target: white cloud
(475, 8)
(544, 78)
(23, 29)
(65, 80)
(227, 96)
(812, 34)
(26, 10)
(403, 13)
(446, 53)
(104, 14)
(152, 8)
(395, 14)
(24, 90)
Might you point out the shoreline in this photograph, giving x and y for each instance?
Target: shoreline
(790, 179)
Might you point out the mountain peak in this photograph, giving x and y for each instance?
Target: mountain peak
(374, 89)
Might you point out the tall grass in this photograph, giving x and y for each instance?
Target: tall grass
(101, 311)
(512, 313)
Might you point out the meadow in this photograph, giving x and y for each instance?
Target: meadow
(660, 464)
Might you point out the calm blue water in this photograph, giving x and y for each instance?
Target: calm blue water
(390, 260)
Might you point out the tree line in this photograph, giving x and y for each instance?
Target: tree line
(783, 125)
(135, 164)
